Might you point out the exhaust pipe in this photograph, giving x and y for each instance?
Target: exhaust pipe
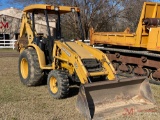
(109, 99)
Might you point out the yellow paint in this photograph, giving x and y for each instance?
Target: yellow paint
(24, 68)
(41, 56)
(62, 9)
(53, 85)
(66, 55)
(141, 38)
(108, 68)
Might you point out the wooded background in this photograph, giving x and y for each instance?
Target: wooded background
(102, 15)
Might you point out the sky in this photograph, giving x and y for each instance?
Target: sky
(6, 4)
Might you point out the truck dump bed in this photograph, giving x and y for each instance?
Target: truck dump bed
(142, 38)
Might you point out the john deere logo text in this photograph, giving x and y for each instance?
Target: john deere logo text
(3, 25)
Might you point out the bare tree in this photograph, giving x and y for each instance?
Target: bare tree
(102, 15)
(94, 13)
(130, 17)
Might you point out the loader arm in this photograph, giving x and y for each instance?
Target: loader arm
(69, 59)
(72, 61)
(102, 57)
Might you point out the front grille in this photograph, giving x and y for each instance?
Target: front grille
(92, 65)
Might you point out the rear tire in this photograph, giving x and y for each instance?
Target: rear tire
(58, 84)
(29, 68)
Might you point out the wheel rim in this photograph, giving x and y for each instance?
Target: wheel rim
(24, 68)
(53, 85)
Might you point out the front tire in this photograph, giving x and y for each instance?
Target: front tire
(58, 84)
(29, 68)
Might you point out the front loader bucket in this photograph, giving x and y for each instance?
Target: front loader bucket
(109, 99)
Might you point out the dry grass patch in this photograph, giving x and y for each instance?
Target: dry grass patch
(18, 102)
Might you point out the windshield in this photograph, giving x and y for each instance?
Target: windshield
(64, 26)
(41, 25)
(70, 26)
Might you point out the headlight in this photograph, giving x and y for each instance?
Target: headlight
(72, 9)
(56, 8)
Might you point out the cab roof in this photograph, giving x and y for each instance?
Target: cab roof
(52, 9)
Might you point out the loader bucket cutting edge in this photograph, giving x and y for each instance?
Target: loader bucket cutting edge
(109, 99)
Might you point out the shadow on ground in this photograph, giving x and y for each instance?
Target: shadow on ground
(73, 91)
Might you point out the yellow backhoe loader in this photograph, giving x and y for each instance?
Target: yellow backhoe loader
(102, 93)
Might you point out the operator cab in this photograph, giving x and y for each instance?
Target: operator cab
(49, 16)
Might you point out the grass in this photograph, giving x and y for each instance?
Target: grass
(18, 102)
(7, 50)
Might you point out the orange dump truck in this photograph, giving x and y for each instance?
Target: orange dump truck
(134, 53)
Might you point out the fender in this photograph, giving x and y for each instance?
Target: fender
(41, 56)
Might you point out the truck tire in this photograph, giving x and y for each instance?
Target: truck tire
(29, 68)
(58, 84)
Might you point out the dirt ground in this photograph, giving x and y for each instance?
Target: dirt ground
(18, 102)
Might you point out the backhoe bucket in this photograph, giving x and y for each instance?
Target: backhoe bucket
(109, 99)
